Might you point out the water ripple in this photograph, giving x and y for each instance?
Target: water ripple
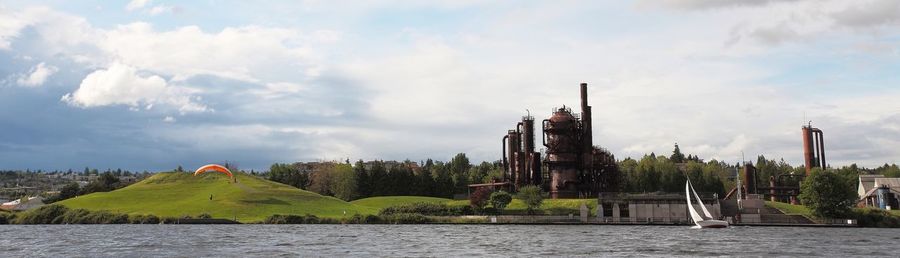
(435, 241)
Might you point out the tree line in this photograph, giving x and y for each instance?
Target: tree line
(650, 173)
(386, 178)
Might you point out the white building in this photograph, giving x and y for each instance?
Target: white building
(26, 203)
(879, 192)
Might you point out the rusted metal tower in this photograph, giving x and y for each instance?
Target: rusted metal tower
(577, 168)
(813, 148)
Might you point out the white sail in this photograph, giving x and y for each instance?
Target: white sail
(687, 193)
(702, 206)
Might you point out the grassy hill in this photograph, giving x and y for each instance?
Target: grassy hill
(381, 202)
(173, 194)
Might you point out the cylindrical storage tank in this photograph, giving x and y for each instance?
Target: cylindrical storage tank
(562, 153)
(750, 178)
(512, 146)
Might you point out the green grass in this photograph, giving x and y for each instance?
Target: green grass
(381, 202)
(790, 209)
(895, 212)
(549, 207)
(251, 199)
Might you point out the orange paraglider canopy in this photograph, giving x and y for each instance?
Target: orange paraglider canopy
(214, 167)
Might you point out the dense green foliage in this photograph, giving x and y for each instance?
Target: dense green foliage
(868, 217)
(499, 200)
(58, 214)
(289, 175)
(6, 217)
(827, 194)
(865, 217)
(658, 173)
(430, 209)
(68, 191)
(532, 197)
(548, 207)
(381, 202)
(388, 178)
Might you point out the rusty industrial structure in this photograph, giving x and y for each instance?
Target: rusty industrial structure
(813, 148)
(778, 190)
(574, 166)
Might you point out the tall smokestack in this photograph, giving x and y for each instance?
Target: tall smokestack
(586, 119)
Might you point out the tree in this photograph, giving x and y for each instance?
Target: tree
(363, 181)
(500, 199)
(532, 197)
(320, 181)
(344, 184)
(827, 194)
(289, 175)
(479, 198)
(68, 191)
(677, 156)
(104, 183)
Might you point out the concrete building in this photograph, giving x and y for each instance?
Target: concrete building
(879, 192)
(669, 208)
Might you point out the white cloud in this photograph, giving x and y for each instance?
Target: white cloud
(136, 4)
(255, 54)
(159, 9)
(37, 75)
(123, 85)
(709, 4)
(169, 119)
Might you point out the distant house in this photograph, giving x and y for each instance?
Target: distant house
(878, 191)
(866, 183)
(26, 203)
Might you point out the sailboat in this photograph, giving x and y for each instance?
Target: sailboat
(701, 221)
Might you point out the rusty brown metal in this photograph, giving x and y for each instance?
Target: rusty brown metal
(813, 148)
(749, 178)
(574, 167)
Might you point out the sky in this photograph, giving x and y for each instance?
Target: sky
(151, 84)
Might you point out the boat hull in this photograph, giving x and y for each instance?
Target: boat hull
(712, 223)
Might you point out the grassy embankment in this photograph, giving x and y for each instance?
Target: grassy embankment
(549, 207)
(381, 202)
(516, 207)
(251, 199)
(866, 217)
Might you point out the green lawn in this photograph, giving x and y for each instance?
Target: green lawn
(549, 207)
(790, 209)
(173, 194)
(381, 202)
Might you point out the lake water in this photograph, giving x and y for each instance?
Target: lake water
(439, 240)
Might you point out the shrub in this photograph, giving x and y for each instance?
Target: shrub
(204, 216)
(479, 198)
(143, 219)
(299, 219)
(5, 218)
(431, 209)
(43, 215)
(532, 197)
(406, 218)
(868, 217)
(500, 199)
(150, 219)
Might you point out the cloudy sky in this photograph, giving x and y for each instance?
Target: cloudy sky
(152, 84)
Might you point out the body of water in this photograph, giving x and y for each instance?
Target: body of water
(439, 240)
